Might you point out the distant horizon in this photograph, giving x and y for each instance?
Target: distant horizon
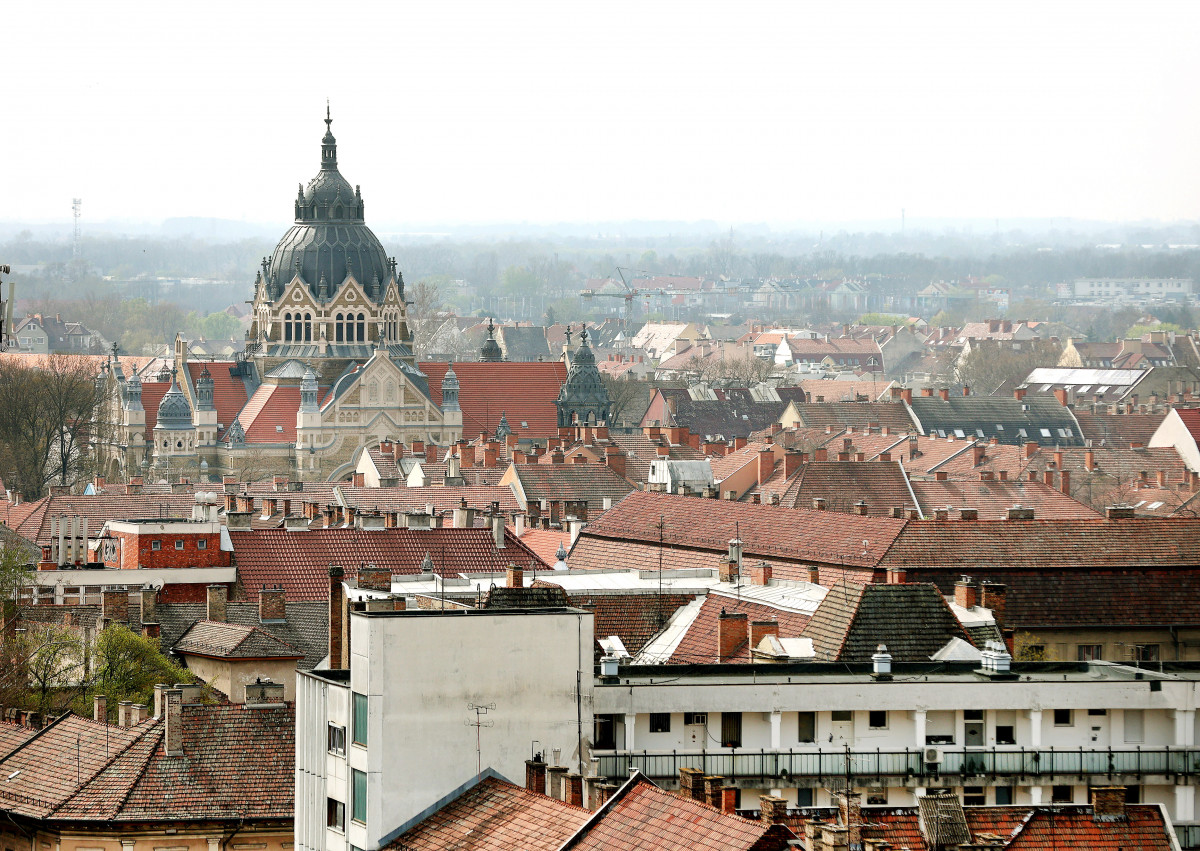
(470, 112)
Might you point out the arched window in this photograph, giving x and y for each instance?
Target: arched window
(337, 211)
(308, 327)
(337, 321)
(287, 327)
(362, 327)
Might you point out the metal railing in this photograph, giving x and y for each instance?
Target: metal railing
(878, 764)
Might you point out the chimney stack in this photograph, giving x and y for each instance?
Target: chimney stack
(173, 736)
(100, 708)
(535, 775)
(514, 577)
(337, 624)
(732, 633)
(218, 597)
(272, 605)
(1108, 803)
(965, 593)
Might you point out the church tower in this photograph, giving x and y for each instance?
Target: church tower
(583, 398)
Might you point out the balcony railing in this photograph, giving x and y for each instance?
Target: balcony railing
(876, 765)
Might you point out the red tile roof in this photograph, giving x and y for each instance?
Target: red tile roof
(152, 394)
(881, 485)
(699, 644)
(772, 532)
(523, 392)
(992, 499)
(494, 815)
(229, 393)
(299, 560)
(238, 763)
(590, 483)
(270, 415)
(101, 508)
(545, 542)
(1029, 828)
(13, 736)
(1117, 429)
(643, 816)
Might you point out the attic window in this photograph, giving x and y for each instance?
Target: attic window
(1152, 506)
(524, 424)
(979, 432)
(1045, 432)
(279, 429)
(1022, 433)
(1083, 389)
(1046, 387)
(958, 432)
(999, 426)
(1102, 390)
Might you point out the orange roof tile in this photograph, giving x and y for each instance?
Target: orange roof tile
(524, 392)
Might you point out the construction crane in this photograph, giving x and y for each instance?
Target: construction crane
(629, 295)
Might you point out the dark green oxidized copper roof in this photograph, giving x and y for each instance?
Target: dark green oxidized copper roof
(329, 239)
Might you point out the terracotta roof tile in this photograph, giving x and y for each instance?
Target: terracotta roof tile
(494, 815)
(593, 483)
(233, 641)
(299, 560)
(229, 393)
(992, 499)
(644, 816)
(270, 414)
(844, 483)
(524, 392)
(699, 644)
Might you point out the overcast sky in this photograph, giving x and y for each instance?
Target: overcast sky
(582, 111)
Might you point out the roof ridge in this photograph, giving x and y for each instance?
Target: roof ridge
(136, 776)
(103, 767)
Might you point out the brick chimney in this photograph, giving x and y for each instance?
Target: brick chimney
(1019, 394)
(760, 574)
(766, 464)
(272, 604)
(149, 599)
(994, 597)
(374, 578)
(773, 810)
(614, 458)
(337, 623)
(944, 394)
(1060, 393)
(760, 630)
(713, 783)
(218, 597)
(1048, 478)
(850, 812)
(575, 789)
(819, 503)
(1031, 448)
(792, 460)
(115, 605)
(968, 514)
(814, 575)
(965, 593)
(896, 575)
(100, 708)
(1065, 482)
(514, 577)
(535, 775)
(1108, 803)
(860, 508)
(1089, 460)
(173, 736)
(732, 633)
(691, 783)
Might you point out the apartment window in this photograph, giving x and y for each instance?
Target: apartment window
(605, 733)
(877, 719)
(156, 545)
(335, 815)
(202, 544)
(972, 714)
(1004, 796)
(1090, 652)
(1135, 725)
(877, 797)
(842, 715)
(1005, 734)
(974, 796)
(359, 791)
(1062, 794)
(1145, 653)
(660, 722)
(360, 719)
(731, 729)
(690, 718)
(179, 545)
(804, 796)
(1092, 712)
(807, 731)
(337, 739)
(1063, 718)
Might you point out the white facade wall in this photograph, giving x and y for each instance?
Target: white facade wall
(1109, 710)
(420, 670)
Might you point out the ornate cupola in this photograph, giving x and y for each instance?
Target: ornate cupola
(204, 391)
(308, 391)
(491, 349)
(174, 432)
(450, 390)
(583, 398)
(133, 393)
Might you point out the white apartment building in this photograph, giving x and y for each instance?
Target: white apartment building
(432, 698)
(1044, 733)
(1128, 290)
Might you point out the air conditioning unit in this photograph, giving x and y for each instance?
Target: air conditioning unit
(933, 756)
(697, 718)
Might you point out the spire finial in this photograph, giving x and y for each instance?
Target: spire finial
(328, 119)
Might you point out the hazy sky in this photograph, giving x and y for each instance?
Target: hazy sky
(581, 111)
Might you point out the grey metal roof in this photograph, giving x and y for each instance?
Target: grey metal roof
(1009, 420)
(1055, 375)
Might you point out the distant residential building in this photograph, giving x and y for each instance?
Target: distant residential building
(1127, 290)
(40, 334)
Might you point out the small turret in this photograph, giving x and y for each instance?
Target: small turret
(204, 391)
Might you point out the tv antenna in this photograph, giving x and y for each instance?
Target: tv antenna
(480, 709)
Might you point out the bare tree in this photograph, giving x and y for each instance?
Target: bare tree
(425, 305)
